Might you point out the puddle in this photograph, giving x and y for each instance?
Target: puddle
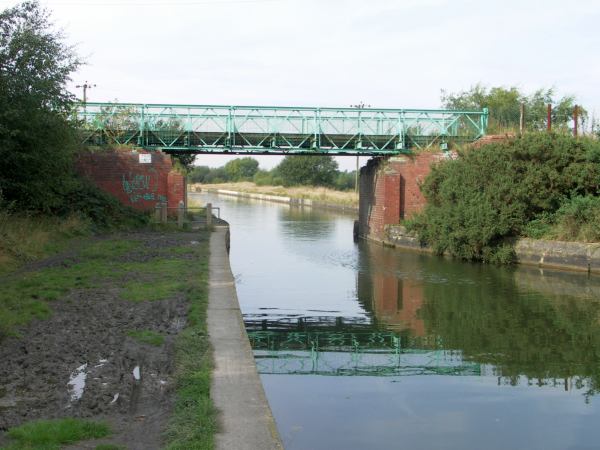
(136, 373)
(76, 383)
(115, 398)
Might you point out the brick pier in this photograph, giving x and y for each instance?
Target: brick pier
(390, 190)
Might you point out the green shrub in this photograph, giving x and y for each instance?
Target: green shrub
(577, 220)
(493, 193)
(263, 178)
(345, 181)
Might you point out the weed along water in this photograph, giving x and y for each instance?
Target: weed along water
(360, 346)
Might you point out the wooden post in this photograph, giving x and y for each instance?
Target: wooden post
(208, 215)
(521, 118)
(549, 120)
(180, 214)
(163, 212)
(575, 119)
(157, 213)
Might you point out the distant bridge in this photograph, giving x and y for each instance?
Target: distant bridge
(275, 130)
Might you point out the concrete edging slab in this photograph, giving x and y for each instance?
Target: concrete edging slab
(574, 256)
(246, 421)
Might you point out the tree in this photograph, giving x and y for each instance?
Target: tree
(504, 106)
(241, 169)
(37, 142)
(308, 170)
(198, 174)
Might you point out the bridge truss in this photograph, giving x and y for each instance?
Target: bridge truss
(275, 130)
(362, 353)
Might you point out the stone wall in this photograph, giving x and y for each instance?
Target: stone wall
(136, 180)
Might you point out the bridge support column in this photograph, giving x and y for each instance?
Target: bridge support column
(389, 191)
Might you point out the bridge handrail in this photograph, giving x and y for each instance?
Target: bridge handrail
(484, 111)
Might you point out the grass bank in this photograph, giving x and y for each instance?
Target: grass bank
(319, 194)
(53, 434)
(133, 270)
(25, 238)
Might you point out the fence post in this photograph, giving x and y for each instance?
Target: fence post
(163, 212)
(180, 214)
(157, 213)
(522, 118)
(575, 119)
(208, 215)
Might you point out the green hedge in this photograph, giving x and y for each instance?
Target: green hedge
(479, 201)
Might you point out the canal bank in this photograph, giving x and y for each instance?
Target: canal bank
(246, 421)
(294, 201)
(577, 256)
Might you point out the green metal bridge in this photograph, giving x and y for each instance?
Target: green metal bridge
(275, 130)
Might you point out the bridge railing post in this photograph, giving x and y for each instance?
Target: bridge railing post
(180, 214)
(208, 215)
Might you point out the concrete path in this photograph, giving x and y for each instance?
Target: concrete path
(245, 417)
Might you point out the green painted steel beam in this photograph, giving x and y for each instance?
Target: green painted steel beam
(275, 130)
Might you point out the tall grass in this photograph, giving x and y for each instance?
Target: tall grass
(25, 237)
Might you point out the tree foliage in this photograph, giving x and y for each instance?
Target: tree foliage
(489, 194)
(241, 169)
(308, 170)
(36, 139)
(297, 170)
(504, 106)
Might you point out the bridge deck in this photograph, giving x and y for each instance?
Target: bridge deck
(275, 130)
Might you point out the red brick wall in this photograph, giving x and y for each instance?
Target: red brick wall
(175, 188)
(390, 190)
(140, 185)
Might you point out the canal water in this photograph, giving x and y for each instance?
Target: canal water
(365, 347)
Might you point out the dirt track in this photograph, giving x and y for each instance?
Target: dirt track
(88, 331)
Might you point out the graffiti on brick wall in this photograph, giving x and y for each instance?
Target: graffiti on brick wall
(140, 187)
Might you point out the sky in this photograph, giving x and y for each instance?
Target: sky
(385, 53)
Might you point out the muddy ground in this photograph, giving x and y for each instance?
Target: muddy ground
(127, 383)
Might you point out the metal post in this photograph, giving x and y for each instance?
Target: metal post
(522, 118)
(575, 118)
(180, 214)
(163, 212)
(356, 176)
(549, 119)
(208, 215)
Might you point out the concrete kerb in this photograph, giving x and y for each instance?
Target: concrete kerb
(246, 421)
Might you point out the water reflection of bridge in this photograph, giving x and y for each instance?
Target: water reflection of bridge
(348, 347)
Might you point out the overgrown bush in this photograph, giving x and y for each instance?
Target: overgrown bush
(490, 194)
(577, 220)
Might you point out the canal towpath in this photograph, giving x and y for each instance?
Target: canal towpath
(246, 421)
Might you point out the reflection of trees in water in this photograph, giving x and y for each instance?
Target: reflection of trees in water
(306, 223)
(492, 322)
(539, 330)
